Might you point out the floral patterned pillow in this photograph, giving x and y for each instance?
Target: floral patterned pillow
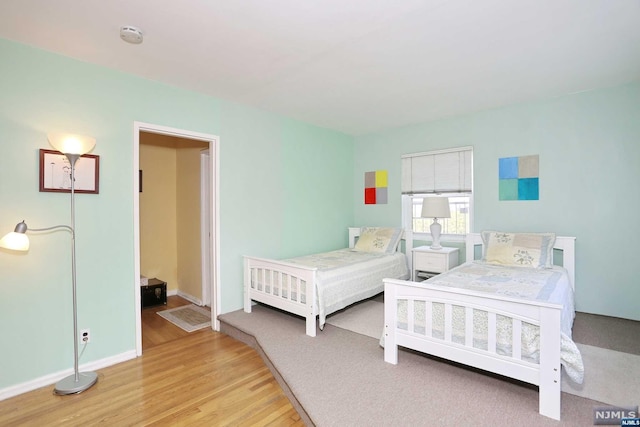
(533, 250)
(378, 239)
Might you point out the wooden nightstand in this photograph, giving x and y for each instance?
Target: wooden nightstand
(429, 262)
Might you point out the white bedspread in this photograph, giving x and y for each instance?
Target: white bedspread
(346, 276)
(548, 285)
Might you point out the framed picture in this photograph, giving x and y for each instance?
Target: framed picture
(55, 173)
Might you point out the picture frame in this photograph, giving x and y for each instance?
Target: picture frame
(55, 173)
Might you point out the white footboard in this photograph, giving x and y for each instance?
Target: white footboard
(286, 286)
(420, 334)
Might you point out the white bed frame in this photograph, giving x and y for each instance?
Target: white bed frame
(300, 276)
(546, 375)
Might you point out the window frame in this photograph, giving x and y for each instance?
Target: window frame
(408, 198)
(407, 218)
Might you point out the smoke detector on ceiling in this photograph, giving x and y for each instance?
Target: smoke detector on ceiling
(131, 34)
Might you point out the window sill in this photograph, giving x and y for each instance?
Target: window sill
(457, 238)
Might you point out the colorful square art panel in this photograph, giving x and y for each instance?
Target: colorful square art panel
(519, 178)
(375, 188)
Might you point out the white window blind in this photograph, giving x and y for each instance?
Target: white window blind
(444, 171)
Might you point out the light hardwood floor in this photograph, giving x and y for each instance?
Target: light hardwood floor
(183, 379)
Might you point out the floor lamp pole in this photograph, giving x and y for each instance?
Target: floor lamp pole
(77, 382)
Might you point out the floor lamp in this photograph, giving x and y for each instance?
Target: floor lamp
(72, 146)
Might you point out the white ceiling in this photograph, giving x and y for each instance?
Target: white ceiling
(357, 66)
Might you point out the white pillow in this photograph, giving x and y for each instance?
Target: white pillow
(533, 250)
(378, 239)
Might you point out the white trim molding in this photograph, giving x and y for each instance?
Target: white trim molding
(50, 379)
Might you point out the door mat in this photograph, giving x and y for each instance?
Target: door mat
(188, 317)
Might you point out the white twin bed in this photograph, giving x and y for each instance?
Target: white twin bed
(511, 320)
(317, 285)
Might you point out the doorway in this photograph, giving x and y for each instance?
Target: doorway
(209, 184)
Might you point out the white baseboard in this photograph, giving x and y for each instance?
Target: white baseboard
(46, 380)
(191, 298)
(188, 297)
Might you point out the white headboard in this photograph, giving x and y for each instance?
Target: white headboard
(566, 244)
(353, 233)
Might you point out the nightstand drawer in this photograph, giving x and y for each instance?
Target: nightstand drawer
(426, 260)
(430, 262)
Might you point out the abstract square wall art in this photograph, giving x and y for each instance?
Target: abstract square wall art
(375, 188)
(518, 178)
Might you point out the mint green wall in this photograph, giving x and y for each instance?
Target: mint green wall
(264, 200)
(329, 185)
(589, 148)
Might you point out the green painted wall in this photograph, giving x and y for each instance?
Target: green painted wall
(589, 151)
(266, 207)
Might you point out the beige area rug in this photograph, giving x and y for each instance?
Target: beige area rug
(610, 376)
(188, 317)
(365, 318)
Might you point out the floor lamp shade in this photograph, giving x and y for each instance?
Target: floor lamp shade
(436, 207)
(68, 143)
(17, 240)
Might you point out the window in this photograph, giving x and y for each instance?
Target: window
(457, 224)
(435, 174)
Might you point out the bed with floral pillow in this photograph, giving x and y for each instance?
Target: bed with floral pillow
(509, 313)
(314, 286)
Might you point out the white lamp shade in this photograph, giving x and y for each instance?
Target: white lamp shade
(67, 143)
(15, 241)
(435, 207)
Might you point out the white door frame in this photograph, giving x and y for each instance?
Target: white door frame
(205, 222)
(214, 226)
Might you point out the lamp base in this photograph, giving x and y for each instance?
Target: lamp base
(435, 235)
(69, 385)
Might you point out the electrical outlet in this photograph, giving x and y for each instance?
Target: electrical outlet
(85, 336)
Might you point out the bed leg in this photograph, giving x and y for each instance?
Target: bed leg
(390, 353)
(247, 278)
(390, 347)
(390, 318)
(550, 369)
(311, 326)
(550, 395)
(247, 305)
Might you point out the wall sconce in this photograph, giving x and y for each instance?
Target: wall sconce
(72, 146)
